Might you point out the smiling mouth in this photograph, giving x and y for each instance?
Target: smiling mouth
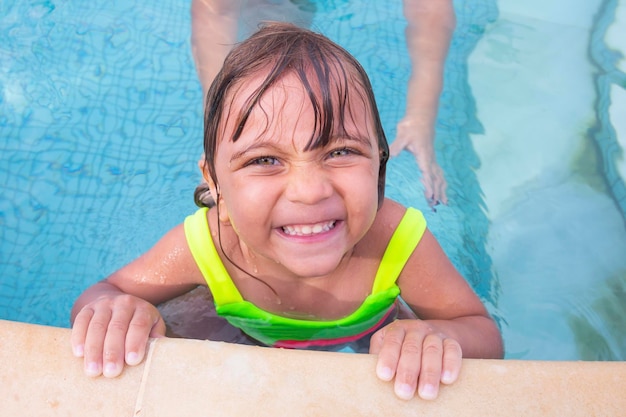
(309, 229)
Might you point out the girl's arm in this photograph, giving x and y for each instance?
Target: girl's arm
(453, 323)
(430, 25)
(213, 34)
(113, 319)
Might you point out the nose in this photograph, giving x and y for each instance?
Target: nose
(308, 184)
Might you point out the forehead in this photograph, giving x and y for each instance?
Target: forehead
(338, 108)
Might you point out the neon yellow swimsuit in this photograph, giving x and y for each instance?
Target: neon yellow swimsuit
(274, 330)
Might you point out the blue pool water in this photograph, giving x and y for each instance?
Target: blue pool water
(100, 130)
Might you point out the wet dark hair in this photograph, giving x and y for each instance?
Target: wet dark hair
(331, 77)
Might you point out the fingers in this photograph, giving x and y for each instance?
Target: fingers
(94, 341)
(435, 185)
(111, 332)
(159, 329)
(418, 357)
(409, 365)
(113, 354)
(142, 326)
(442, 187)
(430, 374)
(79, 331)
(399, 355)
(387, 344)
(433, 178)
(104, 340)
(452, 361)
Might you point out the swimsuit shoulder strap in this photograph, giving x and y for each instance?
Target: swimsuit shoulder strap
(402, 244)
(208, 260)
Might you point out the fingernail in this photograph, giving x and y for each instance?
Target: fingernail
(110, 370)
(404, 391)
(428, 392)
(446, 377)
(78, 351)
(385, 373)
(132, 358)
(92, 369)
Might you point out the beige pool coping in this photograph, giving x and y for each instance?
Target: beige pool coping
(40, 377)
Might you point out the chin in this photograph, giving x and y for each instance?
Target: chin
(315, 269)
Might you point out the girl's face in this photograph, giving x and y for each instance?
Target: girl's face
(298, 210)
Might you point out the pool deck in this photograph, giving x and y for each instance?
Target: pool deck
(39, 376)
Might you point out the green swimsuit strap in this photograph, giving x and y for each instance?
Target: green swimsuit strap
(401, 245)
(208, 260)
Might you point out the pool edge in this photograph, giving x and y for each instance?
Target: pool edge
(39, 376)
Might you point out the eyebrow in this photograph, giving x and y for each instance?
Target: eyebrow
(365, 140)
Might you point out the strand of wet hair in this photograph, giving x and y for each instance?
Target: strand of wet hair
(219, 241)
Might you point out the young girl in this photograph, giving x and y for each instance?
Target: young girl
(301, 249)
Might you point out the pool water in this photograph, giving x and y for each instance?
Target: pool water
(101, 127)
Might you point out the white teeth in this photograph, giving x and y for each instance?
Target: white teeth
(308, 230)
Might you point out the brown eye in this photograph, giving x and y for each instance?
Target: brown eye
(340, 152)
(265, 160)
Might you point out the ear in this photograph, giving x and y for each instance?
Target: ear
(215, 191)
(204, 168)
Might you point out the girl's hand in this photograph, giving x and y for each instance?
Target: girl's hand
(113, 329)
(418, 137)
(418, 356)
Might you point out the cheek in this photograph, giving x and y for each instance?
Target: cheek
(244, 202)
(360, 190)
(369, 176)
